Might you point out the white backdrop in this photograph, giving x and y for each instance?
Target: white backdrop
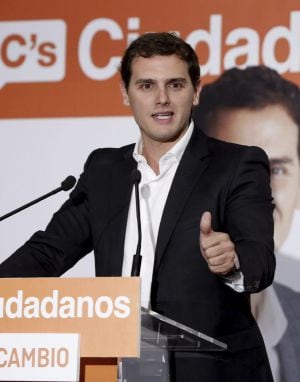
(36, 155)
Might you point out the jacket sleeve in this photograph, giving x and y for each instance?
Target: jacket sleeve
(249, 219)
(66, 239)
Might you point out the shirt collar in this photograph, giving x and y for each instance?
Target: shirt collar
(176, 151)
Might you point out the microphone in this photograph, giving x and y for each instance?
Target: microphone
(66, 185)
(137, 258)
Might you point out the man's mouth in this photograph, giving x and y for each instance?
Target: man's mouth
(162, 116)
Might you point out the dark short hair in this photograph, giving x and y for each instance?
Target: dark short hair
(160, 44)
(253, 88)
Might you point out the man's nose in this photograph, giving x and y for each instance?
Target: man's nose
(163, 96)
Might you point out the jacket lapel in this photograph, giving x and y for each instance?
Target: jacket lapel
(194, 161)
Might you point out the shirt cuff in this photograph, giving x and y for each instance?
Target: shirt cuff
(235, 281)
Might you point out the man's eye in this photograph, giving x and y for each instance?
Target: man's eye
(176, 85)
(146, 86)
(278, 170)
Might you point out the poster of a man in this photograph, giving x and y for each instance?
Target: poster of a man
(258, 107)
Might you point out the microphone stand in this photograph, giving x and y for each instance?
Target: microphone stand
(66, 185)
(137, 258)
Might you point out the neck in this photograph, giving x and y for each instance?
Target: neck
(153, 150)
(153, 153)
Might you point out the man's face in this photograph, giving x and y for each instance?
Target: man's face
(272, 129)
(161, 96)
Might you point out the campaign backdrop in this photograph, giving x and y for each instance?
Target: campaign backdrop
(59, 84)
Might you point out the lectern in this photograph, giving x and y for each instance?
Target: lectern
(119, 341)
(161, 337)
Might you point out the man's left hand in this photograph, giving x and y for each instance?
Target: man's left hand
(216, 247)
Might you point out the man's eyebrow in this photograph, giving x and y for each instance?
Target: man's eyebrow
(179, 79)
(145, 80)
(168, 80)
(281, 160)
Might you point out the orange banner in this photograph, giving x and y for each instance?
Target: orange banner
(61, 59)
(104, 311)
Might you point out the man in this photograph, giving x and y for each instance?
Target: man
(256, 106)
(206, 208)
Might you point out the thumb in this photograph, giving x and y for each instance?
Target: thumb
(205, 223)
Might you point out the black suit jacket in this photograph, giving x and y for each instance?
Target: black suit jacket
(230, 181)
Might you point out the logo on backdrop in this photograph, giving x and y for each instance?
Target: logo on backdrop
(32, 51)
(35, 51)
(68, 65)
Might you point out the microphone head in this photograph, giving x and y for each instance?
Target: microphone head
(135, 176)
(68, 183)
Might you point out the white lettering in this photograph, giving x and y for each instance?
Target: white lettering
(249, 50)
(54, 306)
(85, 49)
(122, 310)
(32, 308)
(87, 300)
(292, 37)
(51, 303)
(13, 307)
(213, 41)
(67, 310)
(108, 307)
(240, 47)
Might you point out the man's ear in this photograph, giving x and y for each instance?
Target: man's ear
(197, 95)
(124, 94)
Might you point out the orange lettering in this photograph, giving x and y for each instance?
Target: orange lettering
(5, 46)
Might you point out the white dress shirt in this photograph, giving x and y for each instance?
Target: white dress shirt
(154, 190)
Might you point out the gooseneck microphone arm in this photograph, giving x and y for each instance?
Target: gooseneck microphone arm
(137, 258)
(66, 185)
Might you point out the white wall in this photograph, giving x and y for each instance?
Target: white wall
(35, 156)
